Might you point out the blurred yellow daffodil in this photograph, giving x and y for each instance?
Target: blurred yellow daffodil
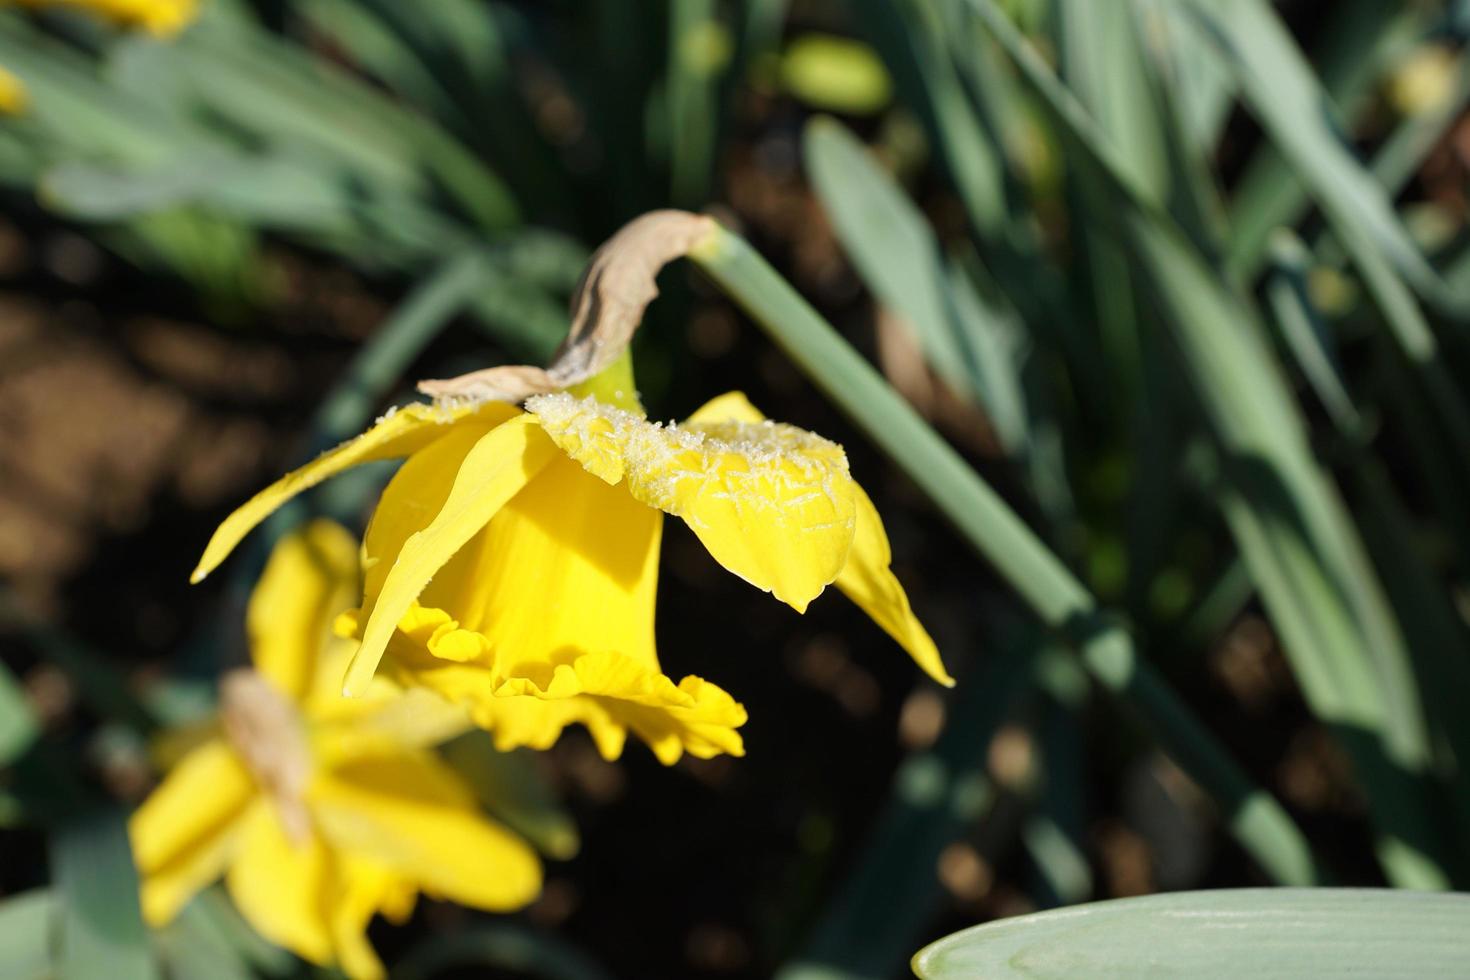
(321, 811)
(512, 562)
(13, 94)
(161, 18)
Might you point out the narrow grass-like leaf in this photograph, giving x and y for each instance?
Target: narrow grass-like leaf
(910, 36)
(700, 50)
(277, 92)
(1305, 334)
(1259, 932)
(998, 534)
(888, 242)
(1318, 584)
(1284, 94)
(1356, 43)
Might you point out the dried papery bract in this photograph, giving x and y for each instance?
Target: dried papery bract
(607, 307)
(268, 734)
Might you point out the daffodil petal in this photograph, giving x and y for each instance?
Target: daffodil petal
(411, 813)
(772, 503)
(364, 888)
(570, 566)
(868, 580)
(693, 715)
(184, 833)
(493, 472)
(411, 718)
(732, 406)
(310, 578)
(398, 433)
(283, 888)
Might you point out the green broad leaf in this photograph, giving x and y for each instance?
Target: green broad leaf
(1248, 932)
(1105, 63)
(836, 74)
(1282, 91)
(1346, 647)
(888, 241)
(1302, 329)
(999, 535)
(281, 94)
(101, 925)
(912, 39)
(25, 935)
(1354, 46)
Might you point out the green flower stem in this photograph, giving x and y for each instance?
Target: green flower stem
(1255, 818)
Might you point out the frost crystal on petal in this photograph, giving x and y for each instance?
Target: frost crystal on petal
(773, 503)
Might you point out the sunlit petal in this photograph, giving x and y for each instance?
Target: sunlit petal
(771, 502)
(868, 580)
(398, 433)
(491, 473)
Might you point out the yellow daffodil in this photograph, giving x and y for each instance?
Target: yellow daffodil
(512, 562)
(321, 811)
(161, 18)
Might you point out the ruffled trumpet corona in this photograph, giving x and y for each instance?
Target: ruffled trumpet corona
(512, 562)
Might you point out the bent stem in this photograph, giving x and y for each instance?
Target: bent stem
(1256, 819)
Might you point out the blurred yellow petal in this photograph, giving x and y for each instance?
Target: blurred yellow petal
(491, 473)
(772, 503)
(399, 433)
(283, 887)
(185, 831)
(867, 580)
(162, 18)
(344, 728)
(412, 814)
(310, 578)
(364, 888)
(13, 94)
